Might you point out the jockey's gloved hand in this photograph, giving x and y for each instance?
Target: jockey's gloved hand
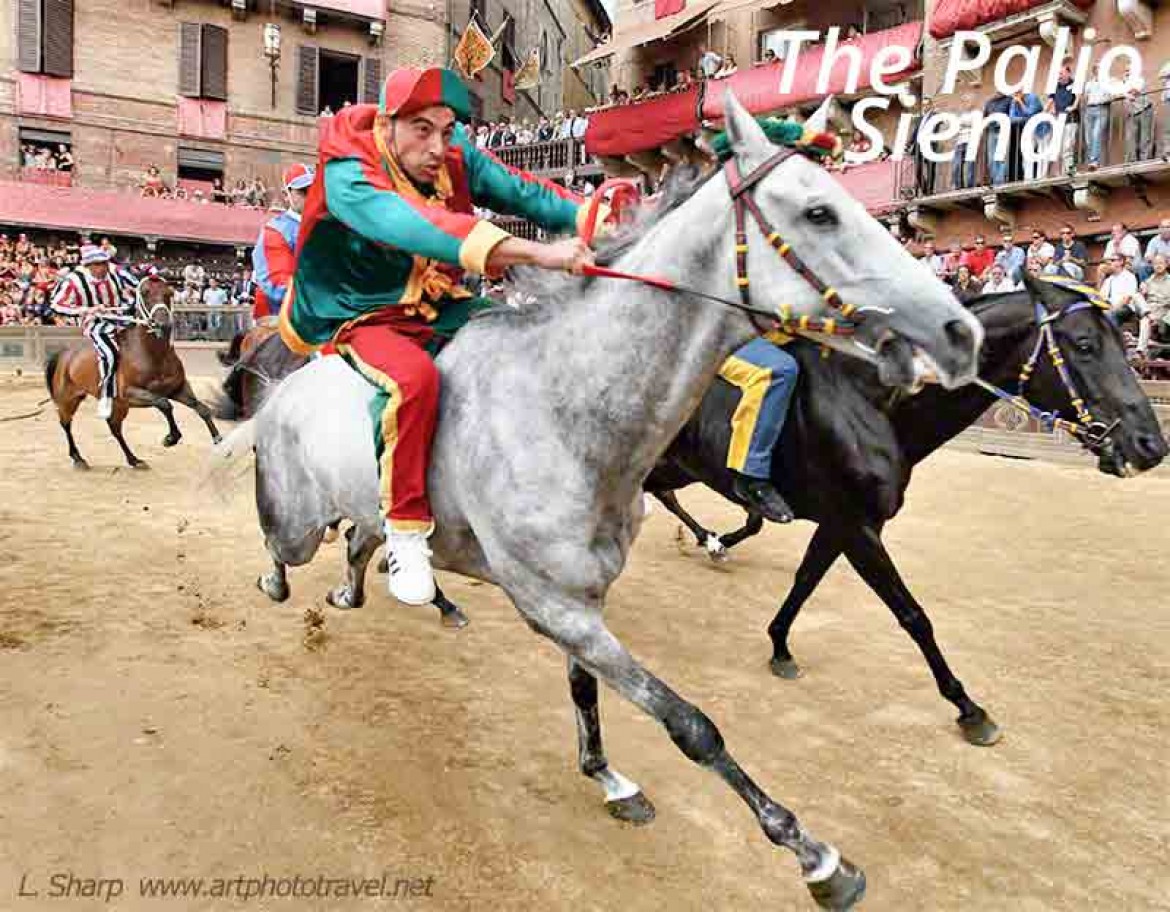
(568, 255)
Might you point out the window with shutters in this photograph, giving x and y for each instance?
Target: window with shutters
(199, 164)
(328, 81)
(44, 37)
(203, 51)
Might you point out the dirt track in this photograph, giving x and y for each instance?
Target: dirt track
(158, 717)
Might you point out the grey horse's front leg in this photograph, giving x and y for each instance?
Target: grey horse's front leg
(576, 626)
(623, 798)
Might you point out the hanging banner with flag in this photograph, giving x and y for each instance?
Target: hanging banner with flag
(474, 50)
(528, 76)
(495, 39)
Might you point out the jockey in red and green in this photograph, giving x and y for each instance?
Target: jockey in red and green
(387, 231)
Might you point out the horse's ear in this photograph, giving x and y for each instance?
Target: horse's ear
(1048, 292)
(746, 136)
(819, 121)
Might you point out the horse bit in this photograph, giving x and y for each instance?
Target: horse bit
(1092, 434)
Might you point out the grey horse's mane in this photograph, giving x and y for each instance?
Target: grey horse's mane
(531, 289)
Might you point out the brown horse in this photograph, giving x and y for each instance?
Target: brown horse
(149, 374)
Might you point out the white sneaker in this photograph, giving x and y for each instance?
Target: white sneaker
(412, 580)
(105, 407)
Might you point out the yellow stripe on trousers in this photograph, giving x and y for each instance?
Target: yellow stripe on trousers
(753, 382)
(389, 422)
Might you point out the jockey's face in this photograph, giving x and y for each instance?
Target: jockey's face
(420, 142)
(296, 200)
(99, 270)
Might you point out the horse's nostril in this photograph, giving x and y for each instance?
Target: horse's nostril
(960, 335)
(1151, 447)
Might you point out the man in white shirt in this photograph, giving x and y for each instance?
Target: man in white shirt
(1040, 248)
(999, 282)
(214, 297)
(1124, 243)
(1098, 95)
(1120, 289)
(1159, 244)
(709, 61)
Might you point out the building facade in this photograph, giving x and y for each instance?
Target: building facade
(559, 31)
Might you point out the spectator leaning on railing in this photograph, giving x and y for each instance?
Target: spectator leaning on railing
(1156, 292)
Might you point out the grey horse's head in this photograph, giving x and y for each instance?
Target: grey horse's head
(910, 324)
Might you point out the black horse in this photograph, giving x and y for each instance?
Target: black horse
(844, 461)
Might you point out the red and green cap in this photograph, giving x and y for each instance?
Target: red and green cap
(408, 90)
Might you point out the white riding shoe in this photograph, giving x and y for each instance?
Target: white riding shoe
(105, 408)
(412, 581)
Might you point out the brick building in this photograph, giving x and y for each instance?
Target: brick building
(654, 42)
(561, 30)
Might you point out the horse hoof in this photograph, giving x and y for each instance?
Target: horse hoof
(383, 566)
(81, 465)
(216, 439)
(330, 535)
(842, 890)
(454, 619)
(716, 550)
(140, 464)
(785, 668)
(636, 809)
(171, 439)
(273, 588)
(342, 597)
(980, 730)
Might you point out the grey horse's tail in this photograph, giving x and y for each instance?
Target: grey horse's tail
(224, 465)
(51, 370)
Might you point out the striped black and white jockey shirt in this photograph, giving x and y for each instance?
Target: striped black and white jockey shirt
(80, 294)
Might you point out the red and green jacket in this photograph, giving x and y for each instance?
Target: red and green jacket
(370, 239)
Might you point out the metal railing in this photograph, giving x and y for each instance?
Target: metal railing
(553, 157)
(48, 176)
(209, 324)
(1122, 132)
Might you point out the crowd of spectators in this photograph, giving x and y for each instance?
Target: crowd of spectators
(1136, 282)
(40, 157)
(506, 132)
(249, 193)
(1091, 114)
(28, 274)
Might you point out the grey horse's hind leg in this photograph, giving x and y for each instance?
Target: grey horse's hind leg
(360, 547)
(576, 626)
(186, 396)
(623, 799)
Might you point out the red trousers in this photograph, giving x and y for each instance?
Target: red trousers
(389, 352)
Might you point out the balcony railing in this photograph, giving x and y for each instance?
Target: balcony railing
(1107, 136)
(46, 177)
(547, 158)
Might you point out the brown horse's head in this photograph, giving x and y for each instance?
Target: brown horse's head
(154, 299)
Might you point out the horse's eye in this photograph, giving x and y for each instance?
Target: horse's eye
(821, 216)
(1085, 346)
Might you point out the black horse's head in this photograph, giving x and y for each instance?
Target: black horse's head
(1124, 431)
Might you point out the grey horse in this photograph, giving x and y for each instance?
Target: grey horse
(553, 414)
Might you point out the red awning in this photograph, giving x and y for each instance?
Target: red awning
(643, 125)
(950, 16)
(758, 88)
(873, 184)
(77, 208)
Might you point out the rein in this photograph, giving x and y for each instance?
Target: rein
(1089, 432)
(741, 188)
